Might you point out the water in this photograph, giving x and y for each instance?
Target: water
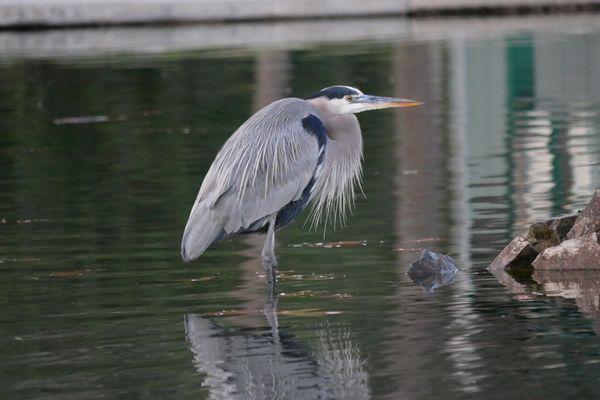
(101, 156)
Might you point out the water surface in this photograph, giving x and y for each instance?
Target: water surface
(101, 157)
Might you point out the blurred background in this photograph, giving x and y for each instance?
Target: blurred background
(111, 113)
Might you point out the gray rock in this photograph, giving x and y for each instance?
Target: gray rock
(589, 220)
(578, 253)
(518, 254)
(432, 270)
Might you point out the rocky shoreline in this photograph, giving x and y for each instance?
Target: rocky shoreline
(568, 242)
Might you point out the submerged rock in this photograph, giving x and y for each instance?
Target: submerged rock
(589, 220)
(518, 254)
(432, 270)
(578, 253)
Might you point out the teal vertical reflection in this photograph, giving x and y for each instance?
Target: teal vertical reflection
(520, 60)
(520, 92)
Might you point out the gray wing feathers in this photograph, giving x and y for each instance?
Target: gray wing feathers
(263, 166)
(204, 227)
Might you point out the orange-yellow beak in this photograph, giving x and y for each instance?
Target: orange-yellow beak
(403, 103)
(367, 102)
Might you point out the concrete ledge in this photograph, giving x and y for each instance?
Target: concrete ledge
(82, 43)
(49, 13)
(88, 12)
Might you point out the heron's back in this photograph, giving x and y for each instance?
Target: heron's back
(266, 167)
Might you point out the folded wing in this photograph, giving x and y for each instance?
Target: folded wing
(264, 166)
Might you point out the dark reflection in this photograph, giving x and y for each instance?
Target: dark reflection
(581, 286)
(271, 363)
(520, 290)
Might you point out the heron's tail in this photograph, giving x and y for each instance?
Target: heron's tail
(202, 230)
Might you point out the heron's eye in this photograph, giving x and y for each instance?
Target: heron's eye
(349, 99)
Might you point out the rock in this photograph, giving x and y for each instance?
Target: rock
(562, 225)
(540, 236)
(551, 232)
(518, 254)
(542, 243)
(579, 253)
(589, 220)
(432, 270)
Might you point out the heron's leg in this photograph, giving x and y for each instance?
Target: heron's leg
(270, 311)
(268, 252)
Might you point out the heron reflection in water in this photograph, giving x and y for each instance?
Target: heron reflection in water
(290, 153)
(269, 362)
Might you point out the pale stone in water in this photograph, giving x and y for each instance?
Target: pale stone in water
(579, 253)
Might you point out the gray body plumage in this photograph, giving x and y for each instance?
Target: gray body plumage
(267, 164)
(291, 153)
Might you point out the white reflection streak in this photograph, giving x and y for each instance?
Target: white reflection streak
(340, 362)
(566, 74)
(535, 135)
(581, 137)
(463, 352)
(209, 357)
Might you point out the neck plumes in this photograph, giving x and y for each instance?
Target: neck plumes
(333, 194)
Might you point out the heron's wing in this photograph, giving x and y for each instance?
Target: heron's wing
(266, 164)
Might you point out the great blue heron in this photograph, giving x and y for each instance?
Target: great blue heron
(292, 152)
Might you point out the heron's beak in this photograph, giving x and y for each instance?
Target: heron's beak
(368, 102)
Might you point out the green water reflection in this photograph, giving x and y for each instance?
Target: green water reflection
(100, 160)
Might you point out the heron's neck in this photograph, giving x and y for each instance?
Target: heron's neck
(342, 129)
(341, 170)
(345, 140)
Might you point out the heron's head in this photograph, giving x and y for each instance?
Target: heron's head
(348, 100)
